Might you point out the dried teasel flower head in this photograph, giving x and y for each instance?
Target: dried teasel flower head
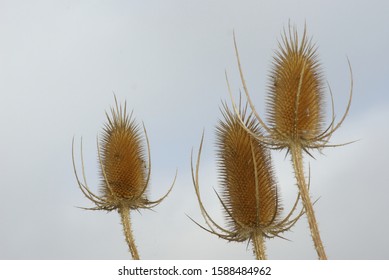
(249, 193)
(124, 167)
(248, 186)
(123, 161)
(295, 100)
(296, 111)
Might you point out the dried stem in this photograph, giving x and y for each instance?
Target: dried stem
(259, 246)
(297, 159)
(124, 213)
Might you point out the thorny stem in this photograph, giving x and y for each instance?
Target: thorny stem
(259, 246)
(297, 159)
(124, 213)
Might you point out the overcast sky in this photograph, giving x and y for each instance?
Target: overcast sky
(61, 61)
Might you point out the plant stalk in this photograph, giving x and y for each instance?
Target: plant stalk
(259, 246)
(297, 159)
(124, 213)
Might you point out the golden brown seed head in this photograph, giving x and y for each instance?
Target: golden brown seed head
(295, 101)
(123, 162)
(124, 168)
(246, 177)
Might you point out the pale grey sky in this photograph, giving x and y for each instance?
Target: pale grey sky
(61, 61)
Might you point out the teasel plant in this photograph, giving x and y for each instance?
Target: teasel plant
(295, 111)
(125, 168)
(249, 194)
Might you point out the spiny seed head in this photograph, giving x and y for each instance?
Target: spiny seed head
(246, 176)
(295, 100)
(123, 162)
(124, 169)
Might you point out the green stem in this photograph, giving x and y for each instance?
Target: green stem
(124, 213)
(297, 160)
(259, 246)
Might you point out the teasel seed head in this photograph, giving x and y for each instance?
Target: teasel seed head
(296, 111)
(124, 170)
(123, 161)
(125, 165)
(295, 100)
(248, 188)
